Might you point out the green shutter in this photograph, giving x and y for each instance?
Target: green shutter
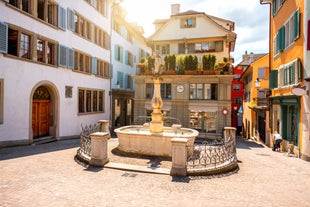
(274, 7)
(296, 24)
(126, 57)
(281, 40)
(115, 52)
(273, 79)
(299, 70)
(121, 55)
(3, 37)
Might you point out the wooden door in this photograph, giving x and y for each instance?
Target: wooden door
(40, 118)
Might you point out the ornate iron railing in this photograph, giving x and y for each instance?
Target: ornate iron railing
(211, 154)
(85, 141)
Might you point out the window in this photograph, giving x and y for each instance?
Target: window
(19, 44)
(188, 22)
(276, 5)
(236, 87)
(238, 100)
(40, 51)
(128, 58)
(52, 13)
(99, 5)
(118, 53)
(24, 5)
(1, 100)
(262, 73)
(165, 90)
(120, 79)
(163, 49)
(290, 73)
(91, 101)
(25, 45)
(102, 68)
(82, 62)
(212, 46)
(203, 91)
(288, 33)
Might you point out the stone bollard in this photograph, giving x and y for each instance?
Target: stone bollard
(99, 148)
(104, 125)
(179, 157)
(230, 131)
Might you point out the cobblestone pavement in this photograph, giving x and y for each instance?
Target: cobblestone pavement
(47, 175)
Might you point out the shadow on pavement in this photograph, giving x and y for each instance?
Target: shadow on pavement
(28, 150)
(248, 144)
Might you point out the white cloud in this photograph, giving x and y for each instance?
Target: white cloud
(251, 19)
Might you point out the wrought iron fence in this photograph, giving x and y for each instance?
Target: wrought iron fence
(211, 154)
(85, 141)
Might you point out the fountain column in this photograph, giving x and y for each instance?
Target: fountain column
(157, 124)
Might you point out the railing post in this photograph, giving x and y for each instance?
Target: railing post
(104, 125)
(179, 157)
(99, 148)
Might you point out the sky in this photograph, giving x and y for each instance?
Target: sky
(250, 17)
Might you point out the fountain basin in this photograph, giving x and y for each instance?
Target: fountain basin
(138, 139)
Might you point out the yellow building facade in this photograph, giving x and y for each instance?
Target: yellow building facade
(255, 105)
(287, 73)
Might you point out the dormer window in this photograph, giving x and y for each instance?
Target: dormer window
(188, 22)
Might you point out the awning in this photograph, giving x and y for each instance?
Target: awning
(252, 104)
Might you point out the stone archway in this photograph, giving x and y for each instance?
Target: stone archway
(44, 105)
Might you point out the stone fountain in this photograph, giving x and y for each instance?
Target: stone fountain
(153, 138)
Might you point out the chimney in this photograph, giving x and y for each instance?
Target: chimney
(175, 8)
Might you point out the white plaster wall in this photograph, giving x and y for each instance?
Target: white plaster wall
(20, 77)
(205, 26)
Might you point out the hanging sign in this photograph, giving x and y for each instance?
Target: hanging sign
(299, 90)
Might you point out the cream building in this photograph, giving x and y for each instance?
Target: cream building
(202, 102)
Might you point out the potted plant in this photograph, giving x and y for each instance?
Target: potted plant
(208, 62)
(191, 64)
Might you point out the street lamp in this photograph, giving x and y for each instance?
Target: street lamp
(257, 83)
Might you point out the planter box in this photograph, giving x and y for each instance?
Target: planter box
(208, 72)
(190, 72)
(169, 72)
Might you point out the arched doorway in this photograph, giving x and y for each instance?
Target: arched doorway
(41, 112)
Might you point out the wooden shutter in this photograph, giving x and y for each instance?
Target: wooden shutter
(94, 65)
(121, 55)
(71, 25)
(61, 18)
(3, 37)
(274, 7)
(70, 58)
(62, 56)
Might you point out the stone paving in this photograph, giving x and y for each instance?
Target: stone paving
(48, 175)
